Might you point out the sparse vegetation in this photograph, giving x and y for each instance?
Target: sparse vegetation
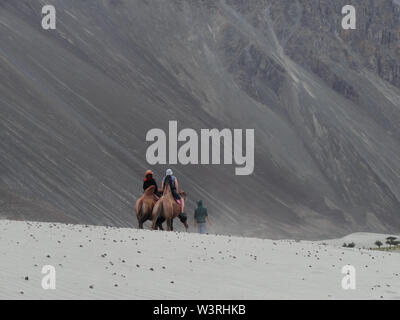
(393, 243)
(350, 245)
(378, 244)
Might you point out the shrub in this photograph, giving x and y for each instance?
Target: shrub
(391, 241)
(351, 245)
(378, 243)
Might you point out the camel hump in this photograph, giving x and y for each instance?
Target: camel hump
(170, 196)
(150, 190)
(167, 189)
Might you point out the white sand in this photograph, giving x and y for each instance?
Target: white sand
(185, 266)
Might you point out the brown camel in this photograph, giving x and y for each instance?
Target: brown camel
(167, 209)
(144, 206)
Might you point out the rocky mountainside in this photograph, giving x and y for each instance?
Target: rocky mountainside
(76, 104)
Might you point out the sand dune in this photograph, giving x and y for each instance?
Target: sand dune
(110, 263)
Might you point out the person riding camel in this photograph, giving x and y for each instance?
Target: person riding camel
(149, 181)
(174, 185)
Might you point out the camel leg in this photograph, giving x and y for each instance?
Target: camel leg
(160, 221)
(183, 218)
(140, 220)
(169, 225)
(143, 220)
(156, 216)
(155, 224)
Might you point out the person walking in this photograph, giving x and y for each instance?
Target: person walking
(201, 218)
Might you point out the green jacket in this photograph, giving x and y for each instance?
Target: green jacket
(200, 213)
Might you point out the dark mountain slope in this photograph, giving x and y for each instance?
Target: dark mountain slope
(76, 104)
